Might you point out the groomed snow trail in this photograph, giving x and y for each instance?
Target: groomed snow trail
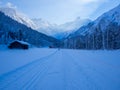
(66, 70)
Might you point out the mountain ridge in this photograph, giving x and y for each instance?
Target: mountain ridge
(18, 16)
(12, 30)
(103, 33)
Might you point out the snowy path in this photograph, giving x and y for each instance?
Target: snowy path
(66, 70)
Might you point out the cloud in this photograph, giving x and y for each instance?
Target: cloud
(88, 1)
(92, 1)
(70, 9)
(10, 5)
(88, 6)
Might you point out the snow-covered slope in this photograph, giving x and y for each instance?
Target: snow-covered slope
(12, 30)
(103, 33)
(40, 23)
(52, 69)
(18, 16)
(70, 27)
(59, 31)
(45, 27)
(74, 25)
(110, 16)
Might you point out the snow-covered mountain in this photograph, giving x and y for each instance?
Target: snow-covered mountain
(18, 16)
(74, 25)
(70, 27)
(45, 27)
(40, 23)
(59, 31)
(103, 33)
(11, 29)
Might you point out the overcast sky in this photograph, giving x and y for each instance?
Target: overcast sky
(61, 11)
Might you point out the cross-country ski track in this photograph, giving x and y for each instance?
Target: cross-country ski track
(64, 70)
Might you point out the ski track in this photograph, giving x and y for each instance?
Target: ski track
(62, 71)
(11, 78)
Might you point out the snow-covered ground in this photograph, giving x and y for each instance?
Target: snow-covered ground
(53, 69)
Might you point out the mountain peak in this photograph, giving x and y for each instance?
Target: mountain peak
(112, 15)
(103, 33)
(17, 16)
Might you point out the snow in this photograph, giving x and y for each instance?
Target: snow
(11, 59)
(18, 16)
(59, 31)
(104, 31)
(111, 16)
(54, 69)
(22, 42)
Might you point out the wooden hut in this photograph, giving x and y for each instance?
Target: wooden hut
(18, 45)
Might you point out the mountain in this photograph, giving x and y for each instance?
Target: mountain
(40, 23)
(13, 30)
(103, 33)
(70, 27)
(59, 31)
(74, 25)
(18, 16)
(45, 27)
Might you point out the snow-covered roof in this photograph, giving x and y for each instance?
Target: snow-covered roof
(22, 42)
